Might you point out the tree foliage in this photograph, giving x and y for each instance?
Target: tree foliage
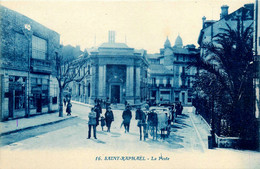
(68, 70)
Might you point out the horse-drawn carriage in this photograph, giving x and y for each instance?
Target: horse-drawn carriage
(159, 120)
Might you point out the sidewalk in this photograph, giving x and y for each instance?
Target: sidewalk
(202, 128)
(12, 126)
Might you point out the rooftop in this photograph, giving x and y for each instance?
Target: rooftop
(113, 45)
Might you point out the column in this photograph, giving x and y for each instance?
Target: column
(129, 84)
(101, 81)
(93, 86)
(137, 84)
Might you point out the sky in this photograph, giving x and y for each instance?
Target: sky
(141, 24)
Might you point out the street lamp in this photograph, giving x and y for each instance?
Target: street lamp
(28, 33)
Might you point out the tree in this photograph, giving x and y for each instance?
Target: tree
(68, 70)
(228, 60)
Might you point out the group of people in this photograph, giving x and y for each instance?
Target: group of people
(94, 118)
(147, 120)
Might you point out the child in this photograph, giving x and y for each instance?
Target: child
(103, 122)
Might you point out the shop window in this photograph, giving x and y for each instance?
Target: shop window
(39, 92)
(17, 91)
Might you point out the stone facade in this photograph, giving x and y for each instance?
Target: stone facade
(27, 49)
(170, 79)
(116, 72)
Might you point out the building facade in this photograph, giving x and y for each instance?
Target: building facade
(27, 48)
(117, 73)
(170, 77)
(210, 28)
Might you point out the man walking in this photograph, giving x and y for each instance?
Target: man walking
(127, 116)
(92, 123)
(141, 117)
(109, 116)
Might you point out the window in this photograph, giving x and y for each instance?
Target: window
(89, 90)
(189, 96)
(176, 96)
(21, 46)
(153, 81)
(165, 92)
(168, 84)
(39, 48)
(55, 98)
(154, 94)
(79, 86)
(189, 82)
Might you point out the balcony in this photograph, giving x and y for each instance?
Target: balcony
(40, 66)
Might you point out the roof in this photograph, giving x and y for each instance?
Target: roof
(249, 13)
(181, 51)
(178, 41)
(153, 56)
(167, 43)
(113, 45)
(159, 69)
(141, 51)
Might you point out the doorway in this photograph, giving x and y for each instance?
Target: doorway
(115, 93)
(39, 103)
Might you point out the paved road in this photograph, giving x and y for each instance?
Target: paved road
(72, 134)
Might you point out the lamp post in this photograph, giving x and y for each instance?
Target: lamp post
(28, 33)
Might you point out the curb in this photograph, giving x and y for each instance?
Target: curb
(205, 121)
(83, 104)
(39, 125)
(198, 134)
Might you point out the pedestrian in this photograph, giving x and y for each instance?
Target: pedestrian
(181, 108)
(141, 117)
(92, 123)
(68, 109)
(127, 116)
(103, 122)
(178, 108)
(98, 111)
(153, 123)
(64, 101)
(173, 113)
(109, 116)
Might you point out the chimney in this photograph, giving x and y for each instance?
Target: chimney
(224, 11)
(203, 21)
(111, 36)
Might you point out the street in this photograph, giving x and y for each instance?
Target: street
(72, 134)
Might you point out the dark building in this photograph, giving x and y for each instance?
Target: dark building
(27, 51)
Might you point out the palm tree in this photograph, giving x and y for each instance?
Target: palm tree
(229, 60)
